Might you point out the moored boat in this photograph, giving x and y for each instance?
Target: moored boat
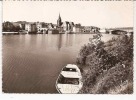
(69, 80)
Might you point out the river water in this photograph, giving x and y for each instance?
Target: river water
(32, 63)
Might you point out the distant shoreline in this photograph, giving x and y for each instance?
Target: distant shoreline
(10, 33)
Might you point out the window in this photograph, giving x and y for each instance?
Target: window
(69, 69)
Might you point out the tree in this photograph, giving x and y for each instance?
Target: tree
(109, 66)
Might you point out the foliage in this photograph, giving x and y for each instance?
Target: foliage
(109, 65)
(9, 27)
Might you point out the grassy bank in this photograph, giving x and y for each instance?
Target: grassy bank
(107, 67)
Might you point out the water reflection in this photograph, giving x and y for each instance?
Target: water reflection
(32, 63)
(59, 41)
(56, 41)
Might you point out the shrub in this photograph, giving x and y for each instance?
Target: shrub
(113, 78)
(109, 65)
(84, 52)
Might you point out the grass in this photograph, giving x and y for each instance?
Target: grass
(107, 68)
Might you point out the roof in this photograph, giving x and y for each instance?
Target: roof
(71, 66)
(68, 74)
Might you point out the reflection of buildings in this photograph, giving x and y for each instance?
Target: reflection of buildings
(64, 40)
(60, 42)
(70, 40)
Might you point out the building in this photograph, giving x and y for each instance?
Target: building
(59, 21)
(42, 27)
(22, 26)
(31, 27)
(102, 30)
(53, 31)
(55, 26)
(28, 27)
(59, 25)
(50, 26)
(95, 29)
(66, 26)
(87, 29)
(77, 28)
(39, 26)
(71, 26)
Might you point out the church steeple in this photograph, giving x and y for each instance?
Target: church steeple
(59, 16)
(59, 23)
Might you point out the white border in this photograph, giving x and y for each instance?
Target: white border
(66, 96)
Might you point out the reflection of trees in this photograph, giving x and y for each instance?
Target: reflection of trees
(60, 41)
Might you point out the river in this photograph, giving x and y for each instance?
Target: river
(32, 63)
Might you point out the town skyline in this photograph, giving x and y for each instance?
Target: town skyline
(104, 15)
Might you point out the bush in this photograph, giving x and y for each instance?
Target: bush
(109, 64)
(113, 78)
(84, 52)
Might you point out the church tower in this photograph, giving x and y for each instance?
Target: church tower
(59, 23)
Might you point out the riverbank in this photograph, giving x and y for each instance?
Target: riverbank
(107, 67)
(13, 33)
(47, 32)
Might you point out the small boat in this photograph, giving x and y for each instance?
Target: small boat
(69, 80)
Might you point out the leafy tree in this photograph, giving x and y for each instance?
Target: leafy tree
(9, 27)
(109, 64)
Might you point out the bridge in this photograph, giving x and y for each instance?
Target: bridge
(121, 30)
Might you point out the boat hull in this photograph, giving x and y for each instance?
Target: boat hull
(72, 87)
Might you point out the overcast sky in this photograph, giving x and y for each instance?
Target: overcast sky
(101, 14)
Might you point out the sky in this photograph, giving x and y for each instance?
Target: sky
(104, 14)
